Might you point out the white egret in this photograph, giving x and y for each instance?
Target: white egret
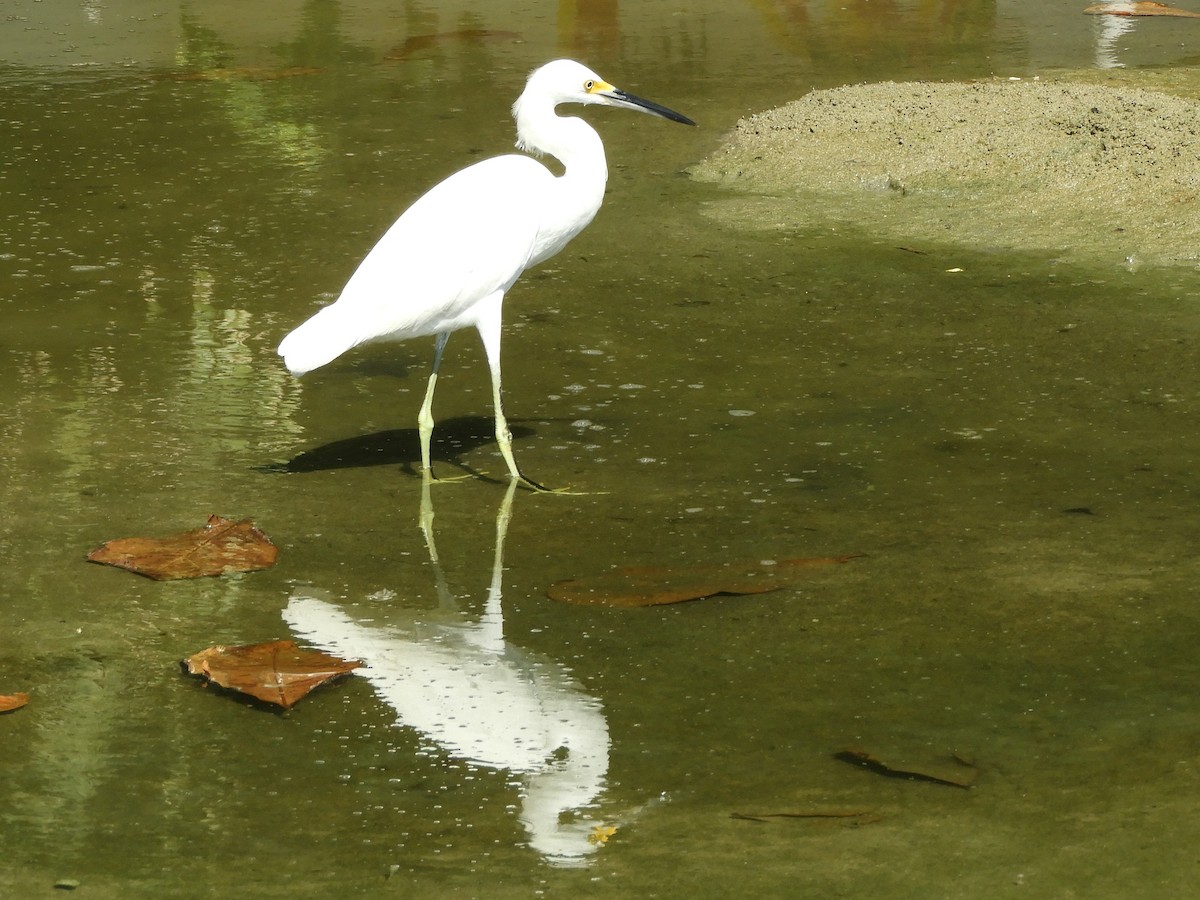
(447, 262)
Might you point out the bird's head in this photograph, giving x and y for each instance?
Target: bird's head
(567, 81)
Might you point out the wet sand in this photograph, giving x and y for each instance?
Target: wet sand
(1106, 172)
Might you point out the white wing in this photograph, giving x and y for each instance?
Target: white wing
(467, 238)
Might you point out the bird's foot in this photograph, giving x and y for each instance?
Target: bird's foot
(532, 485)
(429, 478)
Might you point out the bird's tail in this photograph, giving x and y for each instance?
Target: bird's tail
(320, 340)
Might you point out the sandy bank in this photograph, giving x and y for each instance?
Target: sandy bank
(1106, 172)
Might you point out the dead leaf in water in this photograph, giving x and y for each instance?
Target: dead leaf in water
(1142, 8)
(276, 672)
(847, 817)
(632, 586)
(218, 548)
(953, 771)
(9, 702)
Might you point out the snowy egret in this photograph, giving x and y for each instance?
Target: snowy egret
(447, 262)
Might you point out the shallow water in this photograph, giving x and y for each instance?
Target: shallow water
(1011, 446)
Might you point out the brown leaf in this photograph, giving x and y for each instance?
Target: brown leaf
(953, 771)
(218, 548)
(1141, 8)
(276, 672)
(9, 702)
(632, 586)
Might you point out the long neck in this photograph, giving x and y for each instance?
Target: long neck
(569, 139)
(579, 191)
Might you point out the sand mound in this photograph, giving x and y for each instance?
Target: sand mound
(1069, 168)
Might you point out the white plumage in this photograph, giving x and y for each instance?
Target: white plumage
(449, 259)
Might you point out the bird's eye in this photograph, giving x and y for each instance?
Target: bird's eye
(588, 86)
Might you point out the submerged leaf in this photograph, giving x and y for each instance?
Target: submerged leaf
(839, 816)
(9, 702)
(276, 672)
(953, 771)
(632, 586)
(219, 547)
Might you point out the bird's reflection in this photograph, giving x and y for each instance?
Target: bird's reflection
(465, 687)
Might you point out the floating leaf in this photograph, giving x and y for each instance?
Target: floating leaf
(9, 702)
(1142, 8)
(219, 547)
(276, 672)
(953, 771)
(632, 586)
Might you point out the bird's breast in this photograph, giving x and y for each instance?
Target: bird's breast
(569, 208)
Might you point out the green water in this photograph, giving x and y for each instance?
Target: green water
(1012, 447)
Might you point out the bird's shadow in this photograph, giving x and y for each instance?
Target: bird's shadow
(452, 438)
